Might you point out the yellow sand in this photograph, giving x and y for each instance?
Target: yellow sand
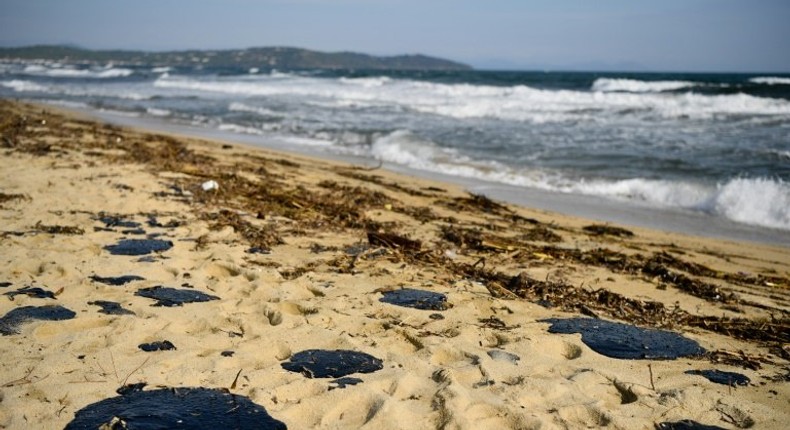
(311, 292)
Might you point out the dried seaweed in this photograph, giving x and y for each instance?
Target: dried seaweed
(393, 240)
(258, 237)
(656, 266)
(541, 234)
(478, 203)
(378, 180)
(11, 197)
(604, 302)
(58, 229)
(608, 230)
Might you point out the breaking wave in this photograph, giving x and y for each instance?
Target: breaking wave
(68, 72)
(757, 201)
(515, 103)
(770, 80)
(23, 86)
(637, 86)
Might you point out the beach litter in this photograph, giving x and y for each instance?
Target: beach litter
(417, 299)
(13, 319)
(170, 297)
(193, 408)
(499, 355)
(626, 341)
(210, 185)
(319, 363)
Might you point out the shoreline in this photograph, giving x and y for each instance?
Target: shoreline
(264, 255)
(584, 206)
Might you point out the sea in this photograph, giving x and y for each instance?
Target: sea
(714, 148)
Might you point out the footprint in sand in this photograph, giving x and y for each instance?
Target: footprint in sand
(353, 411)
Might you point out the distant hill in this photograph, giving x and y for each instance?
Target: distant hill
(264, 58)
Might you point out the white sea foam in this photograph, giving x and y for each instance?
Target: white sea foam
(762, 202)
(161, 69)
(637, 86)
(23, 86)
(69, 72)
(783, 155)
(241, 107)
(516, 103)
(235, 128)
(770, 80)
(158, 112)
(757, 201)
(367, 82)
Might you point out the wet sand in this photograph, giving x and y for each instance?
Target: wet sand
(263, 255)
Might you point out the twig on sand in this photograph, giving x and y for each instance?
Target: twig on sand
(650, 369)
(24, 380)
(114, 369)
(135, 370)
(235, 380)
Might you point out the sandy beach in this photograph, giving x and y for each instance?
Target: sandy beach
(274, 254)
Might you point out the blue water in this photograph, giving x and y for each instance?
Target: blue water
(716, 144)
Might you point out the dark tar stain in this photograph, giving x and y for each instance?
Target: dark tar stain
(721, 377)
(9, 324)
(139, 246)
(418, 299)
(344, 382)
(136, 231)
(166, 408)
(113, 221)
(320, 363)
(35, 292)
(686, 425)
(626, 341)
(169, 297)
(163, 345)
(116, 280)
(111, 308)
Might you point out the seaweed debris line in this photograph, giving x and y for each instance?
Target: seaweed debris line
(10, 323)
(192, 408)
(625, 341)
(319, 363)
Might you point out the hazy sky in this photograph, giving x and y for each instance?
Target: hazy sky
(675, 35)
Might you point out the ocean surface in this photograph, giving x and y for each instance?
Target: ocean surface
(715, 145)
